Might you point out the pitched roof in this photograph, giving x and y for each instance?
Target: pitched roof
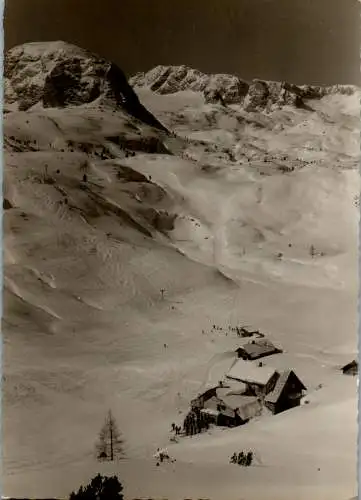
(247, 406)
(235, 388)
(228, 412)
(259, 348)
(250, 409)
(234, 401)
(210, 411)
(246, 371)
(274, 396)
(212, 403)
(212, 408)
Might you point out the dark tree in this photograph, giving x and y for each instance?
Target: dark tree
(100, 488)
(195, 422)
(248, 459)
(110, 444)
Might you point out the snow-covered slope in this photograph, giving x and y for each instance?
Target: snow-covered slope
(124, 245)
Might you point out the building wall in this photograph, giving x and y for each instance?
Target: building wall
(255, 389)
(241, 353)
(286, 403)
(271, 407)
(283, 404)
(200, 401)
(351, 371)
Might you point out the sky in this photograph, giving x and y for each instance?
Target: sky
(300, 41)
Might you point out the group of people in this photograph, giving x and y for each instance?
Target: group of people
(240, 331)
(242, 458)
(162, 456)
(176, 428)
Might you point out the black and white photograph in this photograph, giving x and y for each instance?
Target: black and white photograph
(181, 205)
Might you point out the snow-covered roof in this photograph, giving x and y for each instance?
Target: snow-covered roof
(234, 388)
(247, 406)
(250, 409)
(210, 411)
(245, 371)
(259, 348)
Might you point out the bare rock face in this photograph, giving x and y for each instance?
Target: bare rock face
(268, 95)
(171, 79)
(257, 96)
(64, 85)
(225, 88)
(58, 74)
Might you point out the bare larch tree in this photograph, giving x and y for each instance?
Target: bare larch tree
(110, 444)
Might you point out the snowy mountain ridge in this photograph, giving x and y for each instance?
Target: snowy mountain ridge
(255, 95)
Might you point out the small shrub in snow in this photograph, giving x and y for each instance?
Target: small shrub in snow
(100, 488)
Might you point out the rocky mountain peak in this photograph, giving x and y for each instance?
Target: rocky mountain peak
(58, 74)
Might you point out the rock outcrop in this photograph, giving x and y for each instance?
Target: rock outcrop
(58, 74)
(172, 79)
(265, 95)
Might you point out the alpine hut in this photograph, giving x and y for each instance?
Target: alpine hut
(256, 349)
(286, 394)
